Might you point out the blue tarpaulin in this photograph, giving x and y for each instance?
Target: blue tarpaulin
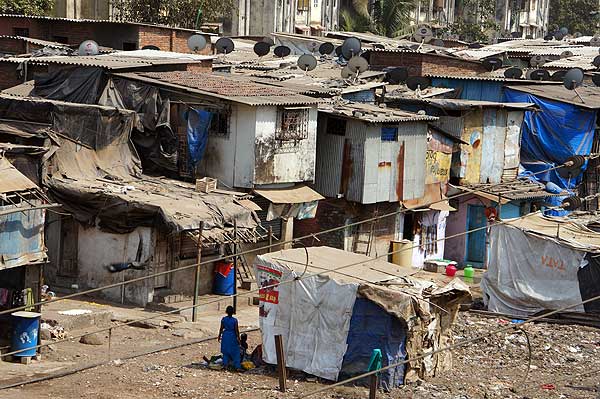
(197, 133)
(373, 328)
(552, 135)
(480, 90)
(21, 237)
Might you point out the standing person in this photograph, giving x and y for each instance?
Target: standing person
(229, 337)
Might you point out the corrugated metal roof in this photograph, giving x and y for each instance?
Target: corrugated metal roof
(371, 113)
(40, 42)
(102, 21)
(457, 104)
(225, 87)
(582, 62)
(589, 94)
(108, 61)
(12, 180)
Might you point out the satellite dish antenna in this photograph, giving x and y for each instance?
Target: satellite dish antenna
(438, 42)
(417, 82)
(539, 74)
(307, 62)
(397, 75)
(196, 43)
(596, 79)
(423, 34)
(596, 61)
(224, 45)
(326, 48)
(558, 76)
(577, 35)
(513, 73)
(358, 64)
(595, 41)
(537, 61)
(548, 37)
(491, 64)
(268, 40)
(573, 78)
(566, 54)
(338, 51)
(88, 47)
(282, 51)
(346, 72)
(261, 49)
(564, 30)
(558, 35)
(515, 35)
(151, 47)
(351, 47)
(313, 47)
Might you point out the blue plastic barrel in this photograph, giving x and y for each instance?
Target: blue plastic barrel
(25, 333)
(223, 285)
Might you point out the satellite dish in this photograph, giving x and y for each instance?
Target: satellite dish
(566, 54)
(282, 51)
(564, 30)
(423, 34)
(417, 82)
(595, 41)
(307, 62)
(438, 42)
(539, 74)
(313, 47)
(577, 35)
(224, 45)
(491, 64)
(268, 40)
(573, 78)
(558, 76)
(338, 51)
(596, 61)
(397, 75)
(515, 35)
(548, 37)
(88, 47)
(358, 64)
(351, 47)
(475, 45)
(151, 47)
(261, 49)
(513, 73)
(196, 43)
(346, 72)
(596, 79)
(558, 35)
(537, 61)
(326, 48)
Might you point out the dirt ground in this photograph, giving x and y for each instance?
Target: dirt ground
(493, 368)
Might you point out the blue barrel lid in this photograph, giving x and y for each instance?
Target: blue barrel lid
(27, 315)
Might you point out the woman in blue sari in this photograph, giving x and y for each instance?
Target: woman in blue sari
(229, 337)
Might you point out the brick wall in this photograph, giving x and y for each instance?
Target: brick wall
(12, 46)
(168, 39)
(330, 213)
(420, 64)
(200, 67)
(74, 32)
(37, 28)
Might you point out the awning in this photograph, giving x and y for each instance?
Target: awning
(246, 203)
(12, 180)
(295, 195)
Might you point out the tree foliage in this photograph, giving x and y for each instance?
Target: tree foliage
(574, 15)
(26, 7)
(388, 17)
(181, 13)
(476, 20)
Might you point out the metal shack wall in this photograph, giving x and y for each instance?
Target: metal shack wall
(329, 160)
(21, 237)
(282, 162)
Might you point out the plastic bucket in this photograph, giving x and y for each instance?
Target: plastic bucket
(25, 333)
(224, 282)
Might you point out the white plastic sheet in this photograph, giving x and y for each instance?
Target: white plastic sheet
(528, 274)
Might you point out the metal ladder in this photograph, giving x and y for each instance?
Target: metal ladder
(244, 272)
(358, 240)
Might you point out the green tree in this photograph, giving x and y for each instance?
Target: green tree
(575, 15)
(180, 13)
(476, 20)
(26, 7)
(389, 18)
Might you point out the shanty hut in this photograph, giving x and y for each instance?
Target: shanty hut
(333, 308)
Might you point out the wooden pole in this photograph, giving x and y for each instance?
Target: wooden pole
(235, 265)
(281, 371)
(373, 386)
(270, 238)
(197, 278)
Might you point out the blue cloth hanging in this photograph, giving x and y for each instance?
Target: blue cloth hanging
(198, 123)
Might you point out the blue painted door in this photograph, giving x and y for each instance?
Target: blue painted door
(476, 240)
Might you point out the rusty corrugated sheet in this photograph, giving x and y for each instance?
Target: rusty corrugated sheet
(414, 136)
(492, 146)
(22, 237)
(356, 132)
(329, 162)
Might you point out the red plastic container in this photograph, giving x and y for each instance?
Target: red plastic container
(450, 270)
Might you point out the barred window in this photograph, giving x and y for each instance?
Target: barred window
(292, 124)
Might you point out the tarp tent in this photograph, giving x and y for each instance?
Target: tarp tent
(322, 317)
(538, 263)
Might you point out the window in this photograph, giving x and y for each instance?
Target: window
(303, 5)
(293, 124)
(24, 32)
(389, 133)
(336, 126)
(61, 39)
(219, 124)
(129, 46)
